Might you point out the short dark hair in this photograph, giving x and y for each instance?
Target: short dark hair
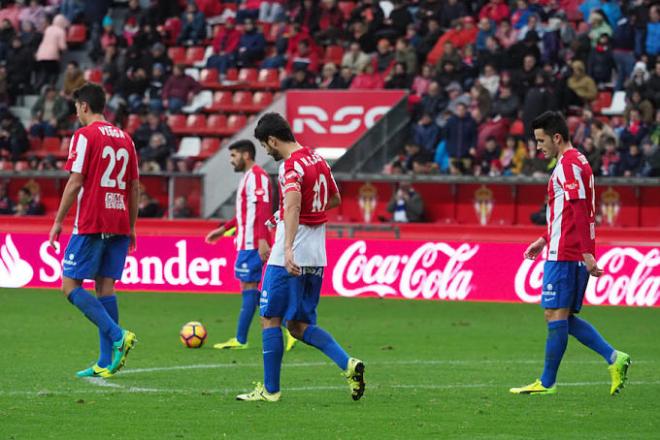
(552, 123)
(93, 95)
(244, 146)
(273, 124)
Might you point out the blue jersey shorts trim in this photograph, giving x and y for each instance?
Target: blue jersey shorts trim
(291, 298)
(564, 284)
(248, 266)
(89, 256)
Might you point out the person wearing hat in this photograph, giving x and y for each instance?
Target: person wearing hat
(158, 55)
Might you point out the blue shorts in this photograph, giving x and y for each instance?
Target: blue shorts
(89, 256)
(291, 298)
(248, 266)
(564, 284)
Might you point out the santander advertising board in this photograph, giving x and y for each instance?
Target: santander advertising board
(422, 270)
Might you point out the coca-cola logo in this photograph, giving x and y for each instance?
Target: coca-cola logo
(631, 278)
(433, 270)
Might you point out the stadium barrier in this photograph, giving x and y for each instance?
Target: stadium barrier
(462, 268)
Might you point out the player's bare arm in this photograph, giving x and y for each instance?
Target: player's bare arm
(133, 213)
(292, 206)
(213, 236)
(264, 249)
(534, 249)
(73, 186)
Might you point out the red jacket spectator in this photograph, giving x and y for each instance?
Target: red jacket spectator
(227, 40)
(460, 35)
(368, 80)
(304, 56)
(495, 127)
(330, 18)
(495, 10)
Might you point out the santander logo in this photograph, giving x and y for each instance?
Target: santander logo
(433, 270)
(14, 271)
(631, 278)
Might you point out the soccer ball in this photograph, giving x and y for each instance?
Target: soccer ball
(193, 334)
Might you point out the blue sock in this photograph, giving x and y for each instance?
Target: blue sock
(250, 301)
(110, 305)
(555, 347)
(95, 312)
(319, 338)
(589, 336)
(273, 350)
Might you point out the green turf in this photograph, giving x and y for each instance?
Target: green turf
(434, 370)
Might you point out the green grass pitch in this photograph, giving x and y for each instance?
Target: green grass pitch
(434, 370)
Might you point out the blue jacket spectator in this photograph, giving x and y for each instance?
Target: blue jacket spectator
(252, 45)
(193, 31)
(426, 133)
(653, 31)
(461, 133)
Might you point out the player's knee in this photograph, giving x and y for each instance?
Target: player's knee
(270, 322)
(296, 329)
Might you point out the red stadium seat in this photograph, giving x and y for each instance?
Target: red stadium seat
(208, 78)
(35, 143)
(334, 54)
(50, 146)
(604, 100)
(77, 34)
(94, 76)
(232, 74)
(268, 79)
(177, 54)
(216, 125)
(573, 122)
(21, 165)
(177, 123)
(248, 75)
(133, 123)
(236, 123)
(194, 55)
(222, 101)
(196, 124)
(242, 101)
(210, 146)
(262, 100)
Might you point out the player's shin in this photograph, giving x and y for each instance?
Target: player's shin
(250, 301)
(95, 312)
(589, 336)
(273, 350)
(110, 305)
(554, 350)
(319, 338)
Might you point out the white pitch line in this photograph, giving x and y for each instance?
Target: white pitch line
(121, 389)
(321, 364)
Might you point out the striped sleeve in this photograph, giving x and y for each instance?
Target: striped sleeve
(78, 154)
(571, 180)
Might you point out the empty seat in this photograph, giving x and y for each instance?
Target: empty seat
(210, 145)
(177, 54)
(195, 124)
(94, 76)
(334, 54)
(248, 75)
(189, 147)
(268, 79)
(242, 101)
(194, 55)
(222, 101)
(262, 100)
(177, 123)
(216, 125)
(208, 78)
(235, 123)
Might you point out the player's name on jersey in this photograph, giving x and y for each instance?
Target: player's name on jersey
(111, 131)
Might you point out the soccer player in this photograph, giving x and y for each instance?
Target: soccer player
(571, 242)
(292, 282)
(104, 185)
(253, 209)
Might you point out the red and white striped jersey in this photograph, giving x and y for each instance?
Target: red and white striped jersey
(105, 156)
(571, 209)
(253, 208)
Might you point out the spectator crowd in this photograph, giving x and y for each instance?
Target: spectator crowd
(478, 72)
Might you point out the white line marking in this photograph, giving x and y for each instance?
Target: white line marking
(320, 364)
(121, 389)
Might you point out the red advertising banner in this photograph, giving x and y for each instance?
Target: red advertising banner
(336, 118)
(404, 269)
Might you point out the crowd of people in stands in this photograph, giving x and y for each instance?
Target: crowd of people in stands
(478, 71)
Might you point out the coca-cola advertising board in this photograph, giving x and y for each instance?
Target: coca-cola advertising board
(404, 269)
(336, 118)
